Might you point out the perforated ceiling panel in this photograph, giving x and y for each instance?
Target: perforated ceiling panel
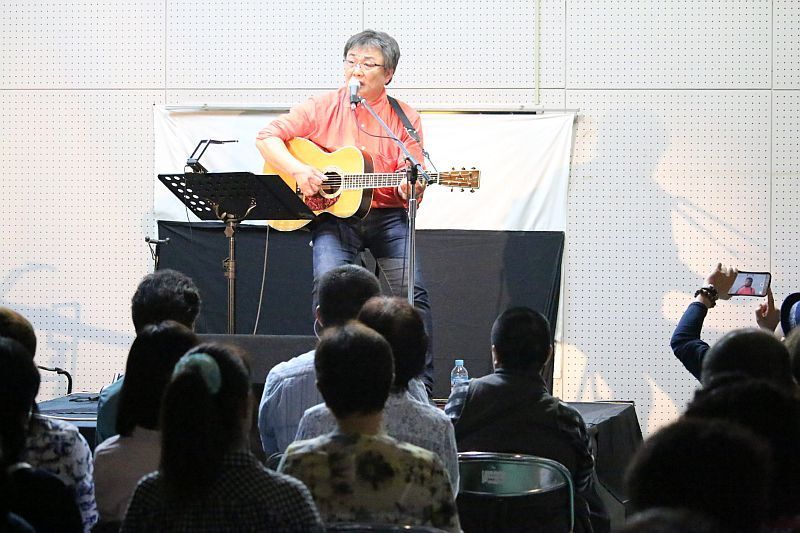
(664, 184)
(786, 24)
(76, 184)
(785, 193)
(82, 44)
(674, 44)
(487, 44)
(254, 44)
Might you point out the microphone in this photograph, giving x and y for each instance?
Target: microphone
(354, 85)
(150, 240)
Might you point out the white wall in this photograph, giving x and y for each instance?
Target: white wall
(685, 151)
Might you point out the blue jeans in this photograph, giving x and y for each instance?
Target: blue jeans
(338, 241)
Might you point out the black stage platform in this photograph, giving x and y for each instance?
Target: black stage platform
(471, 276)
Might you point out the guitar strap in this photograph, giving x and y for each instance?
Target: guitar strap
(404, 119)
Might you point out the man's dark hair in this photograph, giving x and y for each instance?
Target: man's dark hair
(19, 384)
(752, 352)
(165, 295)
(771, 413)
(151, 360)
(354, 369)
(401, 325)
(521, 338)
(710, 466)
(15, 326)
(342, 292)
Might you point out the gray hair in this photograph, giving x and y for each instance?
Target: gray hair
(376, 39)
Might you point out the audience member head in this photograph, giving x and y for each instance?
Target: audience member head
(15, 326)
(790, 313)
(401, 325)
(165, 295)
(771, 413)
(205, 414)
(354, 370)
(151, 360)
(752, 352)
(710, 466)
(19, 384)
(342, 292)
(792, 343)
(671, 520)
(521, 339)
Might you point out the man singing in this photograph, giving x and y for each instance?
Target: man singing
(370, 57)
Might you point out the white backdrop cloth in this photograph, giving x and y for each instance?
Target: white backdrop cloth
(523, 159)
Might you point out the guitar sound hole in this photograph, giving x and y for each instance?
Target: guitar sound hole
(331, 186)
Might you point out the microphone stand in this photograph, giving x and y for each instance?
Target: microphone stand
(412, 174)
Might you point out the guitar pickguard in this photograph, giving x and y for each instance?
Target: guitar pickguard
(318, 203)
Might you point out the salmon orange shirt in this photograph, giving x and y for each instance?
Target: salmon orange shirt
(328, 121)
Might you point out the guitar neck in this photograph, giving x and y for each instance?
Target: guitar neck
(376, 181)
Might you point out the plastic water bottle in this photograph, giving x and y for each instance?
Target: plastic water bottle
(459, 374)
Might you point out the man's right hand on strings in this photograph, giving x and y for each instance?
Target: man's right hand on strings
(309, 179)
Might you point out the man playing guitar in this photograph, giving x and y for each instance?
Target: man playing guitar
(329, 121)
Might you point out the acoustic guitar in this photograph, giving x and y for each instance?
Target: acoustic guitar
(347, 191)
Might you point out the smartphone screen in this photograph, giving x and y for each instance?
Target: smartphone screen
(751, 284)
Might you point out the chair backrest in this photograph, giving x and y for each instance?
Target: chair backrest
(353, 527)
(507, 481)
(274, 461)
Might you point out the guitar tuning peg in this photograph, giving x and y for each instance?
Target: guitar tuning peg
(472, 190)
(462, 168)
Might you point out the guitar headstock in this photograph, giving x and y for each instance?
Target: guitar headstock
(462, 179)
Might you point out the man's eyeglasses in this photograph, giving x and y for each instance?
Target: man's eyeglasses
(366, 66)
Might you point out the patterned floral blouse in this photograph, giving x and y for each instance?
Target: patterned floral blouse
(58, 447)
(373, 479)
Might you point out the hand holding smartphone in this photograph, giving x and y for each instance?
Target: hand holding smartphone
(751, 284)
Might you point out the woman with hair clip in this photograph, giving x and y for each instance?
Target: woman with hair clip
(207, 479)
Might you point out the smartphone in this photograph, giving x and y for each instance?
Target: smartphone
(751, 284)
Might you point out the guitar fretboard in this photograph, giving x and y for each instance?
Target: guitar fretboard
(371, 181)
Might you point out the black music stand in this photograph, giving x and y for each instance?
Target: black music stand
(233, 197)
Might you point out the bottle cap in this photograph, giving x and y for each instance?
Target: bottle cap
(459, 362)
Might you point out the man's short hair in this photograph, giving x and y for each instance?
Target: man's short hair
(711, 466)
(376, 39)
(354, 369)
(402, 327)
(342, 292)
(165, 295)
(521, 338)
(751, 352)
(15, 326)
